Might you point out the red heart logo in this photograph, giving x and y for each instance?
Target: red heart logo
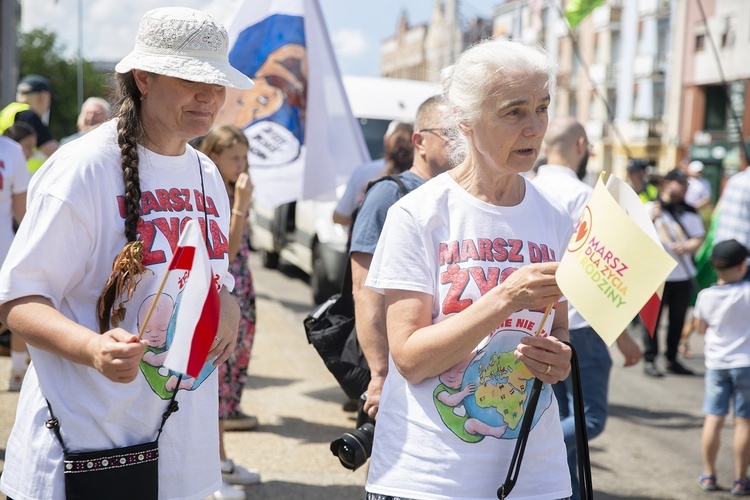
(582, 228)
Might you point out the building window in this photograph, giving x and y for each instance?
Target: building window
(572, 104)
(700, 42)
(716, 108)
(727, 39)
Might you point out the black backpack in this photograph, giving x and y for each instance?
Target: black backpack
(330, 327)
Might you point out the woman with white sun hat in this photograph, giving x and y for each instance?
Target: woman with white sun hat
(123, 193)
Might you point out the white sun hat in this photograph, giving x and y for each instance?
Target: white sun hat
(183, 43)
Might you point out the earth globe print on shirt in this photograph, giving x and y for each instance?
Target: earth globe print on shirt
(503, 385)
(493, 388)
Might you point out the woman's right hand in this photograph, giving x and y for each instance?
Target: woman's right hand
(531, 287)
(243, 192)
(117, 354)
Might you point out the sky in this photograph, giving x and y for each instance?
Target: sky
(356, 27)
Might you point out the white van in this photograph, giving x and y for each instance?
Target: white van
(303, 232)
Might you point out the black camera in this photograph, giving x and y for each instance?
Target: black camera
(354, 448)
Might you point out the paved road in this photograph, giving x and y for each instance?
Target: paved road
(650, 449)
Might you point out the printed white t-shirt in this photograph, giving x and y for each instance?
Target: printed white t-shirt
(73, 229)
(14, 179)
(436, 439)
(724, 308)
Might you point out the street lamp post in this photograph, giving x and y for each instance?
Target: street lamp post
(80, 53)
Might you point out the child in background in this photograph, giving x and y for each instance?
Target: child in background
(721, 314)
(25, 135)
(227, 147)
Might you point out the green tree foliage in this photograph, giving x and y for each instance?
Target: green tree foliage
(42, 54)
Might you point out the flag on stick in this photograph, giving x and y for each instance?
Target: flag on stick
(577, 10)
(198, 315)
(303, 136)
(614, 266)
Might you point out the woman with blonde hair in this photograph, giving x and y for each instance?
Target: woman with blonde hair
(227, 147)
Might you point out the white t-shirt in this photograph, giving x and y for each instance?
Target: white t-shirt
(670, 231)
(562, 184)
(14, 179)
(64, 251)
(434, 439)
(355, 188)
(698, 189)
(724, 308)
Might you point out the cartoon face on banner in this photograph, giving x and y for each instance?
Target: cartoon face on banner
(272, 114)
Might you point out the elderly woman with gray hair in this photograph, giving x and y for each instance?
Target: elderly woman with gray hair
(123, 193)
(467, 265)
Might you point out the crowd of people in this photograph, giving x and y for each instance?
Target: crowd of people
(445, 284)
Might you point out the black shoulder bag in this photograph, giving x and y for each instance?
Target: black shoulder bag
(330, 328)
(116, 474)
(582, 441)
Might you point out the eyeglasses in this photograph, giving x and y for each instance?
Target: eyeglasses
(446, 134)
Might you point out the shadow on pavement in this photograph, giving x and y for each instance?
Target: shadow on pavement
(608, 496)
(333, 394)
(256, 382)
(656, 418)
(303, 431)
(296, 307)
(279, 490)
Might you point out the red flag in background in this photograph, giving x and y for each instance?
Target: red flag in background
(198, 311)
(650, 312)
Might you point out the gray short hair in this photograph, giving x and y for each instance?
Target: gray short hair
(483, 69)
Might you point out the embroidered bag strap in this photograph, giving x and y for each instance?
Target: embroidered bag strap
(54, 425)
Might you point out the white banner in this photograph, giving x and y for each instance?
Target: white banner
(303, 136)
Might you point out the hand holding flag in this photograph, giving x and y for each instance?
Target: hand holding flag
(198, 314)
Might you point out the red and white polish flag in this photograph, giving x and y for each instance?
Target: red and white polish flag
(198, 314)
(650, 312)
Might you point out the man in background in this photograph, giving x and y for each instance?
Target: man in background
(94, 112)
(434, 129)
(14, 180)
(698, 193)
(567, 149)
(32, 105)
(734, 222)
(639, 180)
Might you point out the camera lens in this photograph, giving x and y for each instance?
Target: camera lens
(354, 448)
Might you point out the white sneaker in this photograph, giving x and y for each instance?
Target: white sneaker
(234, 474)
(229, 492)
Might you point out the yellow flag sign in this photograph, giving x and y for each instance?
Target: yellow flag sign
(614, 262)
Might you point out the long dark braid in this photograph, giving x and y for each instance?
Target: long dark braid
(127, 266)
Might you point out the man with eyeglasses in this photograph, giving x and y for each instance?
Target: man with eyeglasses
(568, 152)
(432, 140)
